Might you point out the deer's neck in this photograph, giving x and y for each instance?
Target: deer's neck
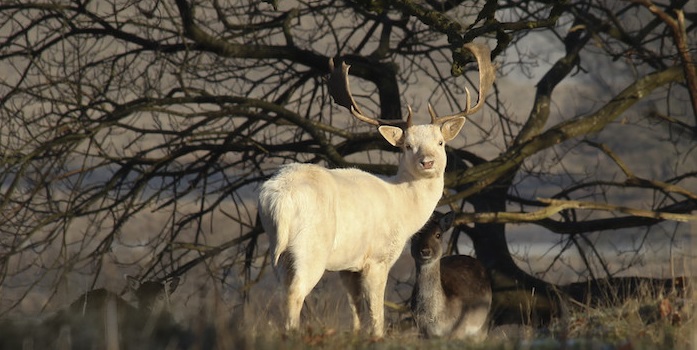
(423, 192)
(418, 197)
(424, 187)
(428, 274)
(429, 300)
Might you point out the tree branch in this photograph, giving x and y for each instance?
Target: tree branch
(557, 205)
(677, 28)
(641, 182)
(575, 41)
(483, 175)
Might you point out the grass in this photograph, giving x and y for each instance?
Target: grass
(665, 323)
(641, 322)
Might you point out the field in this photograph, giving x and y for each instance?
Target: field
(641, 322)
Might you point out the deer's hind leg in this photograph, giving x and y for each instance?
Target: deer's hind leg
(302, 276)
(352, 281)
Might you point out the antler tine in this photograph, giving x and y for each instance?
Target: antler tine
(340, 90)
(434, 116)
(487, 75)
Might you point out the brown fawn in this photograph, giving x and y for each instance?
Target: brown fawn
(452, 295)
(102, 319)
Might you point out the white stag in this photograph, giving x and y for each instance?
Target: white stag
(354, 222)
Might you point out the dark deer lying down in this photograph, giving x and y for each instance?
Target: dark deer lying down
(452, 295)
(102, 319)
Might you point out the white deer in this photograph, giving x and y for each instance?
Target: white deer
(354, 222)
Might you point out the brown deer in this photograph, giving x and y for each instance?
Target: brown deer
(452, 295)
(102, 319)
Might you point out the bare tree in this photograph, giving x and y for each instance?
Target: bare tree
(172, 112)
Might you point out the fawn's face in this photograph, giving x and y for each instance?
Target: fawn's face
(153, 297)
(426, 245)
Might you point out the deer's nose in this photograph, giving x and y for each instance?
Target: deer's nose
(427, 164)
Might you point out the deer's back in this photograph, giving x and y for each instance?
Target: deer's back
(464, 277)
(340, 210)
(460, 307)
(95, 304)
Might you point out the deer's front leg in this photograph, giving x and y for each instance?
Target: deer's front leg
(374, 283)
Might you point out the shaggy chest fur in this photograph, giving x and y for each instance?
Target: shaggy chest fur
(429, 303)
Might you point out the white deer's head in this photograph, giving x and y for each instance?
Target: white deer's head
(423, 146)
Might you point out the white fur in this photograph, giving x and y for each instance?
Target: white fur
(350, 220)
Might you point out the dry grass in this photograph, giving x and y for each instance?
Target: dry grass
(653, 319)
(642, 322)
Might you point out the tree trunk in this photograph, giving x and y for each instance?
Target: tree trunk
(518, 296)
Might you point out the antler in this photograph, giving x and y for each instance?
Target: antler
(339, 89)
(486, 79)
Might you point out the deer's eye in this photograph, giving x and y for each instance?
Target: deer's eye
(407, 146)
(440, 143)
(438, 235)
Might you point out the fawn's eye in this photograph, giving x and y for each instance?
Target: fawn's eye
(407, 146)
(438, 235)
(440, 143)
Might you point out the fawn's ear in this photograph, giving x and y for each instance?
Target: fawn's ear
(446, 222)
(133, 283)
(393, 134)
(172, 284)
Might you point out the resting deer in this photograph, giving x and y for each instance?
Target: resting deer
(452, 295)
(351, 221)
(100, 317)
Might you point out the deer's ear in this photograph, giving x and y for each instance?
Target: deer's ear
(172, 284)
(393, 134)
(133, 283)
(452, 127)
(446, 222)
